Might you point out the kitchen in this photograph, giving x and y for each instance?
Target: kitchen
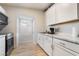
(54, 27)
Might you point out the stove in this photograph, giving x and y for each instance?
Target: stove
(8, 43)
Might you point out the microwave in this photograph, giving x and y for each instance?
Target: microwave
(3, 19)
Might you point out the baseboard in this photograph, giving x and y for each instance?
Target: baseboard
(42, 49)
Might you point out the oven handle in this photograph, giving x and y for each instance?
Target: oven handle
(62, 43)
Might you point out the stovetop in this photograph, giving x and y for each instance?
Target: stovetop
(7, 34)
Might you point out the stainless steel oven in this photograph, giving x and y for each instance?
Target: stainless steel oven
(6, 43)
(9, 43)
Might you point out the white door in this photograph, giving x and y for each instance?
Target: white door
(25, 30)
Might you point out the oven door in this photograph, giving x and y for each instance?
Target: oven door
(9, 45)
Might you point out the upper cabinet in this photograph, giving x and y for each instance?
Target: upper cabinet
(62, 12)
(50, 15)
(65, 12)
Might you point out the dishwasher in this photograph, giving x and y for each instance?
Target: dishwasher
(64, 48)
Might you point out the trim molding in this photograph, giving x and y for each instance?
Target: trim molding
(42, 49)
(66, 22)
(49, 6)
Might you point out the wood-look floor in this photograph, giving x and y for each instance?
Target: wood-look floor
(28, 49)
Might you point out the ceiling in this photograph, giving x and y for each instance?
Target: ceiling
(39, 6)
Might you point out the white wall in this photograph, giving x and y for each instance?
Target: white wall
(14, 12)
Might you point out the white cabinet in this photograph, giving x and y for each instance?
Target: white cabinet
(2, 45)
(50, 15)
(46, 43)
(65, 12)
(57, 47)
(40, 40)
(49, 45)
(62, 12)
(60, 50)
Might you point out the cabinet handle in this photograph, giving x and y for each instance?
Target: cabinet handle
(61, 43)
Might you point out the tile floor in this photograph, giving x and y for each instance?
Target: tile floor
(28, 49)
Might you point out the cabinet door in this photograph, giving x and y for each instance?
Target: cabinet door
(59, 50)
(40, 40)
(66, 12)
(48, 45)
(50, 15)
(44, 46)
(2, 45)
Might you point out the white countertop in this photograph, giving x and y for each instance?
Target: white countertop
(2, 35)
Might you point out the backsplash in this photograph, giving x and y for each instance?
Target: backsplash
(71, 28)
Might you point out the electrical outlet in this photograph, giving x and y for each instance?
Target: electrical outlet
(78, 35)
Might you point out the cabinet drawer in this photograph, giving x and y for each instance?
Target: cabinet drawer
(73, 47)
(60, 51)
(68, 45)
(60, 42)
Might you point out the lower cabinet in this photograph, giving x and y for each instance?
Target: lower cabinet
(40, 41)
(60, 50)
(56, 47)
(48, 45)
(45, 43)
(57, 51)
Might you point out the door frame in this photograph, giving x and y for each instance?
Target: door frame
(17, 27)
